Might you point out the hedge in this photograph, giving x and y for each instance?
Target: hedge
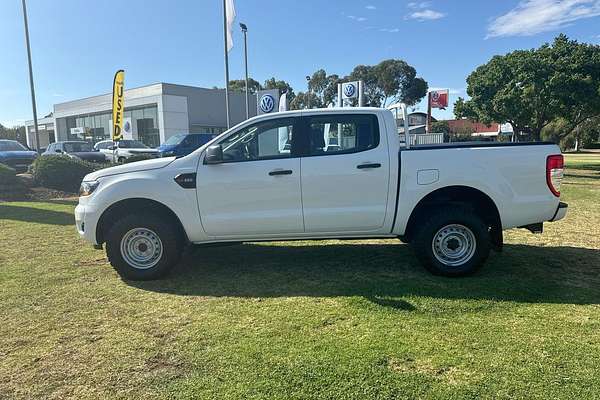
(10, 185)
(62, 172)
(8, 176)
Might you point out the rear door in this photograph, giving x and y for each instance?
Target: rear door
(256, 190)
(345, 173)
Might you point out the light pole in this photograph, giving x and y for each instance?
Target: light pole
(35, 122)
(308, 97)
(245, 31)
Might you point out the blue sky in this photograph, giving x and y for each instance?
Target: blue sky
(77, 45)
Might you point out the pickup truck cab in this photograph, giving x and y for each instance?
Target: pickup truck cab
(321, 174)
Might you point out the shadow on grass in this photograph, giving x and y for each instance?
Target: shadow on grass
(36, 215)
(382, 273)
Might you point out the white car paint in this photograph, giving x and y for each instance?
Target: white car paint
(120, 153)
(326, 196)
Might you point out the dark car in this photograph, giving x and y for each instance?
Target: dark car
(183, 144)
(82, 150)
(15, 155)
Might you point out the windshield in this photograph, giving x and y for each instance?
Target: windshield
(11, 146)
(77, 147)
(175, 139)
(132, 144)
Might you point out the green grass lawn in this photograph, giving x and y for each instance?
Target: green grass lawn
(300, 320)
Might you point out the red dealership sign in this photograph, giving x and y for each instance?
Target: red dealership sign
(438, 99)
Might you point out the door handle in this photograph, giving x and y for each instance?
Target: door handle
(365, 166)
(280, 172)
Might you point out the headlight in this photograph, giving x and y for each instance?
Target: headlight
(88, 188)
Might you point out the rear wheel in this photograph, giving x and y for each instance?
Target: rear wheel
(453, 241)
(121, 160)
(143, 247)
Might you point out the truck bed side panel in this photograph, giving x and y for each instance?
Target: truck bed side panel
(514, 177)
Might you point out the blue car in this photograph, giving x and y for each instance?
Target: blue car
(183, 144)
(15, 155)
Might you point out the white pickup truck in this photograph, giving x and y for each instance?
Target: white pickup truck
(322, 174)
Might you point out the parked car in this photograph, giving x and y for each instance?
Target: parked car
(182, 144)
(450, 201)
(15, 155)
(78, 149)
(123, 149)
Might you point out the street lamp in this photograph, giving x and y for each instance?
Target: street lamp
(308, 97)
(245, 31)
(35, 122)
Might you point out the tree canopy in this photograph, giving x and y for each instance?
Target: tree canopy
(532, 88)
(390, 80)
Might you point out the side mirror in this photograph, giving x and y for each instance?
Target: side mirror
(214, 155)
(58, 150)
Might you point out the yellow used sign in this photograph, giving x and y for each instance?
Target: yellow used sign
(118, 105)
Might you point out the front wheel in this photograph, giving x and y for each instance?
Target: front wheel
(453, 241)
(143, 247)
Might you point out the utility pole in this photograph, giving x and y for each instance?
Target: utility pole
(245, 31)
(35, 121)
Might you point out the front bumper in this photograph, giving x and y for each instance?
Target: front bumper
(561, 212)
(86, 220)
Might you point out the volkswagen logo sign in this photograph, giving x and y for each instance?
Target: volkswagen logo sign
(349, 90)
(267, 103)
(127, 126)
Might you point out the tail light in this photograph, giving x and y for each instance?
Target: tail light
(554, 173)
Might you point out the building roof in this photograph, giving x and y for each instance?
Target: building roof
(475, 128)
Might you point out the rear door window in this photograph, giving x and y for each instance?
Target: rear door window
(341, 134)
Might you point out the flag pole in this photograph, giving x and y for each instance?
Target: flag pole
(226, 63)
(31, 86)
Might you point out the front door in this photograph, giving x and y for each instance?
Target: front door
(345, 174)
(256, 190)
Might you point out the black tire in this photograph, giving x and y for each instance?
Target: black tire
(163, 228)
(446, 225)
(121, 160)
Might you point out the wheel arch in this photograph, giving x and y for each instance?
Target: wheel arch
(481, 203)
(137, 205)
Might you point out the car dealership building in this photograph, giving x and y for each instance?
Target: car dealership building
(153, 113)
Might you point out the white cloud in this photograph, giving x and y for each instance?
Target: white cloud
(355, 18)
(426, 15)
(389, 30)
(535, 16)
(371, 7)
(418, 4)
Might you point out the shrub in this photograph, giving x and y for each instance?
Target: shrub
(62, 172)
(10, 185)
(8, 176)
(138, 157)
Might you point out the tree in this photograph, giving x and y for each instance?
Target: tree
(15, 133)
(301, 101)
(323, 89)
(240, 85)
(283, 86)
(531, 88)
(392, 80)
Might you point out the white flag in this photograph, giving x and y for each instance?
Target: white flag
(230, 17)
(283, 102)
